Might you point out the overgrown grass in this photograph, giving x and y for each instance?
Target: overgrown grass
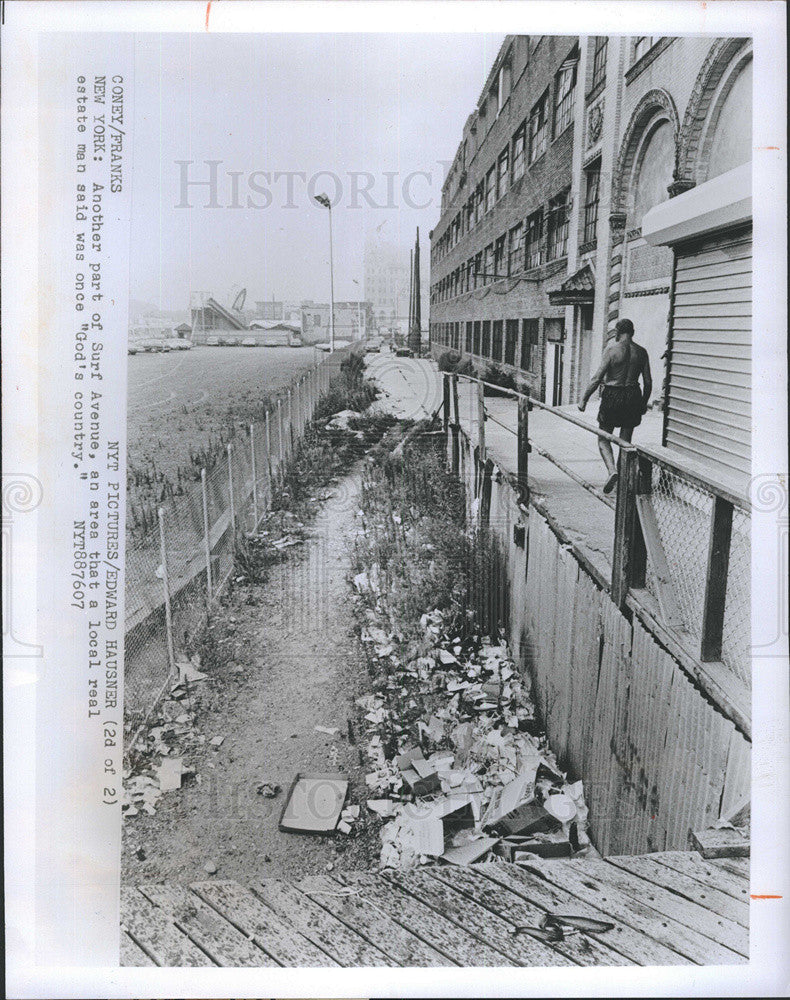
(420, 546)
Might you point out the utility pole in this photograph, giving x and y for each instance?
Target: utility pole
(415, 319)
(322, 199)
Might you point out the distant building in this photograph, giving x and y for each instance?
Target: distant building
(276, 333)
(353, 321)
(209, 319)
(184, 331)
(386, 283)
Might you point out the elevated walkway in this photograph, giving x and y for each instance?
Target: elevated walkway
(670, 908)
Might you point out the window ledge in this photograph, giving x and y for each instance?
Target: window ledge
(637, 68)
(595, 91)
(588, 247)
(561, 134)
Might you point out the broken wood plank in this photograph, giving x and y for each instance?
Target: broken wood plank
(634, 910)
(721, 843)
(583, 949)
(698, 892)
(255, 920)
(221, 941)
(701, 920)
(347, 904)
(131, 954)
(658, 563)
(637, 947)
(740, 867)
(477, 921)
(157, 934)
(315, 923)
(423, 921)
(711, 872)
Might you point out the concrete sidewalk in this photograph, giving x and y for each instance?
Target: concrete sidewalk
(413, 387)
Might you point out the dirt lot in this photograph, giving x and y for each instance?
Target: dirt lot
(183, 401)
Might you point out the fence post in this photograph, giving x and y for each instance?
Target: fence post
(625, 524)
(280, 439)
(206, 536)
(268, 432)
(644, 487)
(456, 411)
(171, 657)
(716, 580)
(481, 422)
(254, 479)
(230, 485)
(524, 448)
(445, 403)
(290, 421)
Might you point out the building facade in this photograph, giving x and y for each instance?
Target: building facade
(353, 321)
(540, 247)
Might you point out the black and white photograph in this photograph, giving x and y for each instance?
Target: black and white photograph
(417, 509)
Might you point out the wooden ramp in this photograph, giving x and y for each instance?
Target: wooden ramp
(671, 908)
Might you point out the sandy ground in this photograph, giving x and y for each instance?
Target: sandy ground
(301, 666)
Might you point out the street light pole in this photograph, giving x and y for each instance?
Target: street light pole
(323, 200)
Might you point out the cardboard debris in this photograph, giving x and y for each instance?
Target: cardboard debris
(327, 730)
(314, 803)
(169, 773)
(217, 741)
(383, 807)
(469, 852)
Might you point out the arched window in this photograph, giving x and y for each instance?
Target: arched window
(655, 162)
(729, 143)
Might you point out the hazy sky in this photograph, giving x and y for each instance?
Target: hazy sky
(385, 105)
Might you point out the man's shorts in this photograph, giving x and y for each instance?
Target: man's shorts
(621, 406)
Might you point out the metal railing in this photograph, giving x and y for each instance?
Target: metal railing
(177, 568)
(679, 536)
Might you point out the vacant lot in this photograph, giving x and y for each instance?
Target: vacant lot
(183, 403)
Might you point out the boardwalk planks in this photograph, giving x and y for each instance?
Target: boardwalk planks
(155, 931)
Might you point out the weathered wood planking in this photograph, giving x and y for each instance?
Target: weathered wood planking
(632, 909)
(269, 930)
(681, 910)
(319, 926)
(583, 949)
(632, 943)
(221, 941)
(131, 954)
(718, 873)
(426, 923)
(477, 921)
(155, 931)
(704, 894)
(347, 904)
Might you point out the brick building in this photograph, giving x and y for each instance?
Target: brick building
(540, 249)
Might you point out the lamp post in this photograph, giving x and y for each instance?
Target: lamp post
(326, 203)
(359, 310)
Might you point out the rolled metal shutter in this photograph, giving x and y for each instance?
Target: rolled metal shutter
(708, 414)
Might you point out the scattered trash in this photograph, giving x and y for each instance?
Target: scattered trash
(170, 772)
(210, 867)
(328, 730)
(268, 790)
(314, 803)
(217, 741)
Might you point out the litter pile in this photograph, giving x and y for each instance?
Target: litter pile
(476, 779)
(172, 738)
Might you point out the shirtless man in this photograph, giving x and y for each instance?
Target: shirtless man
(622, 401)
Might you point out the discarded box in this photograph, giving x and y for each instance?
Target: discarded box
(314, 803)
(421, 786)
(543, 849)
(529, 817)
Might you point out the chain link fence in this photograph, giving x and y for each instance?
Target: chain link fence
(177, 566)
(683, 512)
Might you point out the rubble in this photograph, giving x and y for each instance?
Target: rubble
(459, 772)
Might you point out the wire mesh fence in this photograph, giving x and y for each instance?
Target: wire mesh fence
(178, 563)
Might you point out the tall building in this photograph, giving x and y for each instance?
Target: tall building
(599, 178)
(387, 285)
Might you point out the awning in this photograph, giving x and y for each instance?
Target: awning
(722, 202)
(578, 289)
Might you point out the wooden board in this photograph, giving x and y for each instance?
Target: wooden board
(347, 904)
(223, 943)
(477, 921)
(348, 948)
(157, 933)
(583, 949)
(131, 954)
(632, 944)
(426, 923)
(699, 892)
(721, 931)
(737, 866)
(255, 920)
(716, 872)
(634, 910)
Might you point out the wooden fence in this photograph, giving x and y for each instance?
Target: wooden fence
(657, 757)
